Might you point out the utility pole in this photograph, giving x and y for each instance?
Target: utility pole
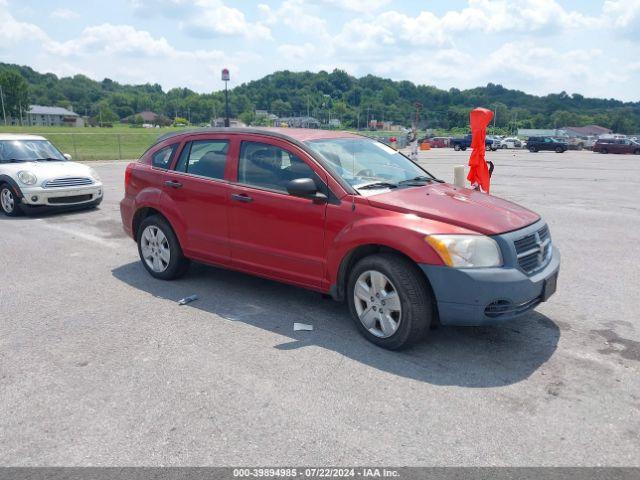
(4, 114)
(225, 78)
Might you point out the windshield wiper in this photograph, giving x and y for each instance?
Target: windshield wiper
(12, 160)
(377, 185)
(49, 159)
(416, 179)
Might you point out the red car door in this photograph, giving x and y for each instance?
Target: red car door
(197, 195)
(271, 232)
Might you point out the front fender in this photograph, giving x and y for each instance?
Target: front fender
(403, 232)
(13, 184)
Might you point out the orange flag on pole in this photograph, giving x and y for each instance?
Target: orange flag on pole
(479, 171)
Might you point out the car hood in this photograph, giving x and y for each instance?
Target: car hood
(463, 207)
(47, 170)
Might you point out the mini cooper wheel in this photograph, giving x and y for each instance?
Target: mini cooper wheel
(389, 301)
(160, 250)
(9, 202)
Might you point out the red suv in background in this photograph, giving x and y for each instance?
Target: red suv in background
(340, 214)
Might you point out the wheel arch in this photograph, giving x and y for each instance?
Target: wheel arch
(6, 179)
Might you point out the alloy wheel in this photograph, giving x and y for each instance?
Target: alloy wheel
(155, 249)
(377, 303)
(7, 200)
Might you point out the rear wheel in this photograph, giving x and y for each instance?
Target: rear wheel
(160, 250)
(533, 149)
(636, 152)
(389, 300)
(504, 147)
(604, 150)
(559, 149)
(8, 201)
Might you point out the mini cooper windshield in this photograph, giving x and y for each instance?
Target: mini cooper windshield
(28, 151)
(369, 165)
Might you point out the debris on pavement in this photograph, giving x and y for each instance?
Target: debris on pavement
(188, 299)
(302, 326)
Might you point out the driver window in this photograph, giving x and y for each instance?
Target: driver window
(267, 166)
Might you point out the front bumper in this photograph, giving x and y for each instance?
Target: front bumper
(485, 296)
(36, 197)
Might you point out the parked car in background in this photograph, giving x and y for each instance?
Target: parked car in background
(36, 176)
(536, 144)
(437, 142)
(343, 215)
(614, 145)
(462, 143)
(510, 142)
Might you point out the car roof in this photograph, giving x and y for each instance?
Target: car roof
(20, 136)
(299, 134)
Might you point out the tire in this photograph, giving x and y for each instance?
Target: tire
(456, 147)
(9, 202)
(636, 152)
(559, 150)
(604, 150)
(533, 149)
(504, 147)
(463, 148)
(415, 303)
(155, 239)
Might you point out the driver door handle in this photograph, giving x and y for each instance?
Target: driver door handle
(242, 197)
(173, 184)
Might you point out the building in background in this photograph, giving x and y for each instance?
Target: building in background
(297, 122)
(42, 116)
(587, 131)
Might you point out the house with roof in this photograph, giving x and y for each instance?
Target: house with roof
(587, 131)
(43, 116)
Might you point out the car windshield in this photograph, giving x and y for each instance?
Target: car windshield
(28, 150)
(364, 163)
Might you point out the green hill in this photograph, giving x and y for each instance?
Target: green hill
(331, 95)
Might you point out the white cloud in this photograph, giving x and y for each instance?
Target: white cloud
(64, 14)
(625, 15)
(14, 32)
(123, 40)
(360, 6)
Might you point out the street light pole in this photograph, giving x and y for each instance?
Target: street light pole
(225, 79)
(4, 114)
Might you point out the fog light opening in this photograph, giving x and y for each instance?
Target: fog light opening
(34, 198)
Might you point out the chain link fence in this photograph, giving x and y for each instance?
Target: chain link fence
(103, 145)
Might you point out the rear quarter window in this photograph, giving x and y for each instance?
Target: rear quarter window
(162, 158)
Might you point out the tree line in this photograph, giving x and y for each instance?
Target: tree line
(355, 102)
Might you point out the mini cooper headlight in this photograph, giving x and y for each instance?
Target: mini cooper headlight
(27, 178)
(94, 174)
(466, 251)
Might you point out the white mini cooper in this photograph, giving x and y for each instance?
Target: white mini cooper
(35, 175)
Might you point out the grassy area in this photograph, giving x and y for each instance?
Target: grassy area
(119, 142)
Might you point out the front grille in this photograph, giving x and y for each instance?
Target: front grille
(534, 250)
(70, 200)
(504, 307)
(67, 182)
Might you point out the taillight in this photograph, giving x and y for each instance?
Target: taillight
(127, 175)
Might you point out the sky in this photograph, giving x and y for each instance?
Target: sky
(591, 47)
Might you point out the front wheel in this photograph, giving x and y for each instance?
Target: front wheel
(9, 202)
(389, 301)
(559, 150)
(456, 148)
(533, 149)
(504, 147)
(160, 250)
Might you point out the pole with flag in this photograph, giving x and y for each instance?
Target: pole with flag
(479, 175)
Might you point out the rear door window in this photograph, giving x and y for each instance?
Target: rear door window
(205, 158)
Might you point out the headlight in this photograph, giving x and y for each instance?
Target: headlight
(94, 174)
(27, 178)
(466, 251)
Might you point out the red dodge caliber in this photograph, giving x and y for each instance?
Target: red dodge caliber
(343, 215)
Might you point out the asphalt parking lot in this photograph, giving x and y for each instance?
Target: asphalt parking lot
(100, 366)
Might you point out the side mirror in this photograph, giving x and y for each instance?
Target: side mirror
(305, 188)
(67, 156)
